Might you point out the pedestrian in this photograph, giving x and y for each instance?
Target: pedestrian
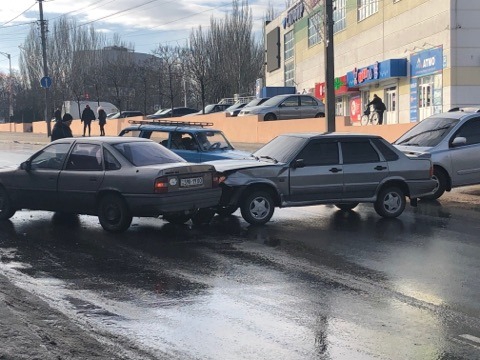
(61, 129)
(57, 115)
(102, 120)
(378, 106)
(87, 117)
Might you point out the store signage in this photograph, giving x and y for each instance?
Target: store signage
(377, 72)
(368, 73)
(426, 62)
(293, 15)
(339, 84)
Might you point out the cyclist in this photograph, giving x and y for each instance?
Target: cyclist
(378, 106)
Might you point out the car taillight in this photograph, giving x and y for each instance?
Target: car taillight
(217, 179)
(161, 185)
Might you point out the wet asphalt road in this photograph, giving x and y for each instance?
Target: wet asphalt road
(314, 283)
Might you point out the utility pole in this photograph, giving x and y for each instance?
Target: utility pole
(10, 92)
(45, 66)
(329, 67)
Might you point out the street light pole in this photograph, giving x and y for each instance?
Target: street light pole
(45, 66)
(329, 66)
(10, 94)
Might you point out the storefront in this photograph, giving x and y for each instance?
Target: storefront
(426, 83)
(381, 78)
(342, 94)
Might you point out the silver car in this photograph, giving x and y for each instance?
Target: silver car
(311, 169)
(283, 107)
(452, 140)
(114, 178)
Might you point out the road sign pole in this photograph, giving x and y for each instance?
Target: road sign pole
(45, 66)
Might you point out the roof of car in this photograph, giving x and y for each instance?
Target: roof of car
(102, 139)
(169, 128)
(332, 135)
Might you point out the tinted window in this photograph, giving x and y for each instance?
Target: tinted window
(87, 157)
(471, 131)
(291, 101)
(388, 153)
(110, 162)
(308, 101)
(320, 153)
(428, 132)
(147, 153)
(357, 152)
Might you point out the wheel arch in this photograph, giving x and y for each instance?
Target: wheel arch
(402, 185)
(265, 187)
(102, 193)
(270, 113)
(439, 167)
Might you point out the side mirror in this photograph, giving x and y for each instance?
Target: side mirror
(459, 141)
(26, 165)
(298, 163)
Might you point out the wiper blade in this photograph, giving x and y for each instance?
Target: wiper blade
(269, 158)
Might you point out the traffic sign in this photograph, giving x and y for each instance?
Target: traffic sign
(46, 82)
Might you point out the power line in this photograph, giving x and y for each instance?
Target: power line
(9, 21)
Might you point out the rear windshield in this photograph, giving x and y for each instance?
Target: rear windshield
(429, 132)
(147, 153)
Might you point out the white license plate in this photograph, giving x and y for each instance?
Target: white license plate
(197, 181)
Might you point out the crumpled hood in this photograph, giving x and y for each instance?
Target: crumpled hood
(235, 154)
(227, 165)
(414, 150)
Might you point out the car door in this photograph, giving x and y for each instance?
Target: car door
(316, 173)
(363, 168)
(308, 107)
(465, 158)
(36, 187)
(289, 109)
(79, 182)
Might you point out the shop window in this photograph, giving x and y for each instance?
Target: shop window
(339, 15)
(289, 46)
(314, 29)
(366, 8)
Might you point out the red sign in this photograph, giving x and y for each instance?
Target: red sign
(340, 85)
(355, 109)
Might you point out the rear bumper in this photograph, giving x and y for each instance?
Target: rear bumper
(159, 204)
(420, 188)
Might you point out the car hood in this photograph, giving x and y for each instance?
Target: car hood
(235, 154)
(228, 165)
(414, 150)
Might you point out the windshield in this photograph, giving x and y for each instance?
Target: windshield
(428, 132)
(273, 101)
(256, 102)
(213, 140)
(283, 148)
(147, 153)
(235, 106)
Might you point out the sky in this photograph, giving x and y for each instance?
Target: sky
(143, 23)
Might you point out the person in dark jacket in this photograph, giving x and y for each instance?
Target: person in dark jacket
(102, 120)
(87, 117)
(61, 129)
(57, 115)
(378, 106)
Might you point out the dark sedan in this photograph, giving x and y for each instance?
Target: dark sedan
(111, 177)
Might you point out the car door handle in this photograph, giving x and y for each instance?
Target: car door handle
(379, 167)
(335, 170)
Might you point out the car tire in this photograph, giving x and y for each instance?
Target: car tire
(441, 178)
(6, 208)
(269, 117)
(177, 219)
(346, 206)
(113, 213)
(203, 216)
(257, 207)
(390, 202)
(320, 115)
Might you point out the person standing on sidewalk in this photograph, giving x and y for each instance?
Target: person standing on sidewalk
(102, 120)
(87, 117)
(61, 129)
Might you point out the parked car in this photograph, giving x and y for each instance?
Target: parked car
(176, 111)
(125, 114)
(234, 109)
(311, 169)
(210, 109)
(283, 107)
(193, 141)
(111, 177)
(452, 139)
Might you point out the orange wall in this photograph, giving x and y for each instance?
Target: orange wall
(245, 129)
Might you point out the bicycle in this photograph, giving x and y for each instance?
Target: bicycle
(369, 117)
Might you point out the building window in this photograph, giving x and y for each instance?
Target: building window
(314, 29)
(339, 14)
(289, 74)
(289, 45)
(366, 8)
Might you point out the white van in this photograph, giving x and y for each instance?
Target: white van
(75, 108)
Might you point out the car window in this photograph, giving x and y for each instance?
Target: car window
(86, 157)
(160, 137)
(132, 133)
(307, 101)
(110, 162)
(51, 157)
(385, 148)
(358, 152)
(213, 140)
(471, 131)
(292, 101)
(318, 153)
(147, 153)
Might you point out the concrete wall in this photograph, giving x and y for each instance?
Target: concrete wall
(245, 129)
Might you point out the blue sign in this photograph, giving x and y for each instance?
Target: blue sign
(293, 15)
(413, 100)
(378, 71)
(46, 82)
(426, 62)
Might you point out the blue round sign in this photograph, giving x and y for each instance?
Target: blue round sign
(46, 82)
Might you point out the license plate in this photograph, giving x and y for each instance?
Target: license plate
(197, 181)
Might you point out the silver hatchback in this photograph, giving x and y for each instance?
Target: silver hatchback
(452, 140)
(290, 106)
